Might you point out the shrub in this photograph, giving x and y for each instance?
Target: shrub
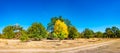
(24, 37)
(88, 33)
(37, 31)
(54, 36)
(73, 33)
(98, 34)
(8, 32)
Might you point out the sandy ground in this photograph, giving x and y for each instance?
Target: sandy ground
(111, 47)
(47, 44)
(54, 46)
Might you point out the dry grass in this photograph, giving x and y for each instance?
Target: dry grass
(48, 44)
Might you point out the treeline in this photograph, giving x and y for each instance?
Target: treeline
(58, 29)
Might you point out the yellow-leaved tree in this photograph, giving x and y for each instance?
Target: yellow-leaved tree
(61, 30)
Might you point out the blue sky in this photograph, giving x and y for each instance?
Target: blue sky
(93, 14)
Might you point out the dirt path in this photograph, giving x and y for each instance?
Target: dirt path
(111, 47)
(94, 48)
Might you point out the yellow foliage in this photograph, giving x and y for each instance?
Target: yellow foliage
(61, 27)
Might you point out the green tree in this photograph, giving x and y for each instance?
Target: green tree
(81, 35)
(8, 32)
(118, 34)
(73, 33)
(68, 22)
(99, 34)
(88, 33)
(54, 36)
(17, 30)
(109, 32)
(24, 36)
(115, 31)
(37, 31)
(0, 35)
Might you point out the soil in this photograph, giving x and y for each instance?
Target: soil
(93, 45)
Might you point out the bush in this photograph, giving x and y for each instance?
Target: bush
(73, 33)
(54, 36)
(37, 31)
(61, 35)
(88, 33)
(24, 37)
(98, 34)
(8, 32)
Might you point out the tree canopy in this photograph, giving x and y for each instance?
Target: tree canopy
(37, 31)
(51, 24)
(73, 33)
(58, 28)
(88, 33)
(8, 32)
(112, 32)
(61, 29)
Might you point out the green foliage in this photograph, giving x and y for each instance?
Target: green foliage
(109, 32)
(58, 28)
(73, 33)
(24, 36)
(54, 36)
(67, 22)
(98, 34)
(0, 35)
(80, 35)
(112, 32)
(115, 31)
(37, 31)
(61, 35)
(8, 32)
(118, 34)
(17, 28)
(88, 33)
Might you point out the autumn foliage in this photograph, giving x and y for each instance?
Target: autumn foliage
(61, 29)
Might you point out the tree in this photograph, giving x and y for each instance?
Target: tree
(24, 36)
(54, 36)
(17, 30)
(60, 29)
(115, 31)
(99, 34)
(109, 32)
(8, 32)
(50, 26)
(67, 22)
(88, 33)
(118, 34)
(0, 35)
(37, 31)
(73, 33)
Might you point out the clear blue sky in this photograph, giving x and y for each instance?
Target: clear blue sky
(93, 14)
